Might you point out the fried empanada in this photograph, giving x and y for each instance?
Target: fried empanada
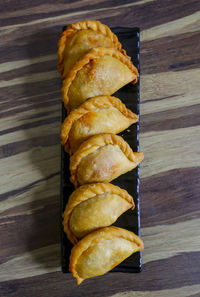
(93, 206)
(79, 38)
(101, 251)
(102, 158)
(102, 71)
(96, 115)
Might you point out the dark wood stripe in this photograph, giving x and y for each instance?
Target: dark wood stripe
(44, 114)
(170, 197)
(40, 235)
(32, 100)
(39, 88)
(41, 43)
(39, 11)
(161, 98)
(30, 107)
(16, 52)
(165, 274)
(164, 13)
(171, 53)
(31, 125)
(18, 147)
(185, 65)
(181, 117)
(30, 69)
(152, 14)
(21, 190)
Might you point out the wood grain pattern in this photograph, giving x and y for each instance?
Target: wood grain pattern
(30, 105)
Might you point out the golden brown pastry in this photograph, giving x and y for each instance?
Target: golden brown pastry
(103, 114)
(101, 251)
(93, 206)
(102, 158)
(79, 38)
(102, 71)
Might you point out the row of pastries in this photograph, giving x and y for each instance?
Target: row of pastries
(93, 66)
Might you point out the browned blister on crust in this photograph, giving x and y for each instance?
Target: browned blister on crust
(101, 251)
(94, 206)
(102, 158)
(96, 115)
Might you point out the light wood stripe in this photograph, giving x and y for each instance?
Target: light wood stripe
(184, 291)
(186, 24)
(50, 7)
(21, 135)
(7, 222)
(115, 9)
(8, 66)
(169, 149)
(30, 98)
(39, 191)
(161, 85)
(28, 264)
(29, 78)
(164, 241)
(40, 167)
(29, 116)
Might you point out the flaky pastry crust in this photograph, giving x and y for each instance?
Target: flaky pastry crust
(94, 54)
(86, 192)
(94, 143)
(84, 25)
(96, 237)
(100, 102)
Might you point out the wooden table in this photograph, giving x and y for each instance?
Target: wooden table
(30, 150)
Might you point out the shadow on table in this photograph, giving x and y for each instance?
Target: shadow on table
(42, 132)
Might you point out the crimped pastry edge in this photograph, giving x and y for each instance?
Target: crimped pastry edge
(96, 237)
(89, 105)
(86, 192)
(87, 24)
(94, 53)
(95, 142)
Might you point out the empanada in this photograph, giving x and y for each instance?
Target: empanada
(79, 38)
(93, 206)
(103, 114)
(101, 251)
(102, 71)
(102, 158)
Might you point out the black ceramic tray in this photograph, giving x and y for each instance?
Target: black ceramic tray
(130, 39)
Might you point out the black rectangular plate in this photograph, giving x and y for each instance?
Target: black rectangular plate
(130, 95)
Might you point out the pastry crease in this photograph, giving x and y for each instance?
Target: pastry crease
(86, 192)
(94, 54)
(84, 25)
(96, 237)
(88, 106)
(93, 144)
